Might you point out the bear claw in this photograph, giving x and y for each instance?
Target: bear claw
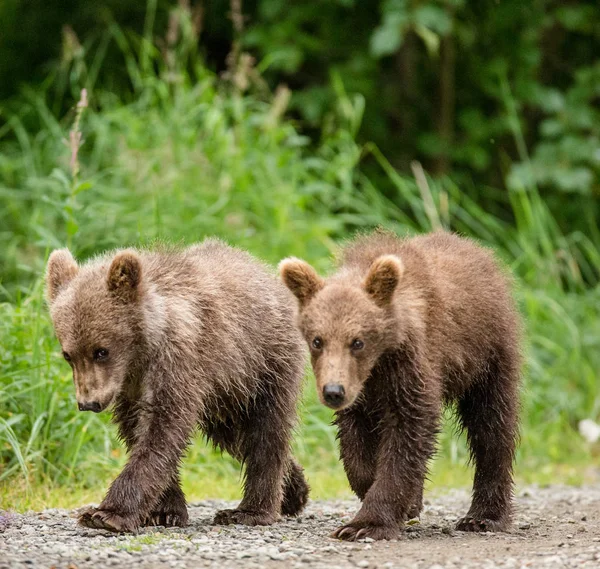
(358, 531)
(414, 512)
(243, 517)
(471, 524)
(167, 519)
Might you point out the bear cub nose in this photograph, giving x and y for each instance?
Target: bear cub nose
(91, 406)
(334, 394)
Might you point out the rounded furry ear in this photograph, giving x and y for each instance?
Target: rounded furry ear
(124, 275)
(60, 271)
(300, 278)
(383, 278)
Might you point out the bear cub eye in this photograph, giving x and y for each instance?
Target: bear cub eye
(357, 345)
(317, 343)
(66, 356)
(100, 354)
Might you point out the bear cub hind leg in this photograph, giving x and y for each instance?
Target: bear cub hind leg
(171, 510)
(489, 413)
(295, 490)
(273, 484)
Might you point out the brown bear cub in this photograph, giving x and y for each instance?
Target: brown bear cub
(404, 327)
(174, 340)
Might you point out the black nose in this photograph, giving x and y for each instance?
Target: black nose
(91, 406)
(334, 394)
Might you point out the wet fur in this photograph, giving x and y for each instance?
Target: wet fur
(200, 338)
(446, 332)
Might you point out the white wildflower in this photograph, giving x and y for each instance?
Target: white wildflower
(589, 430)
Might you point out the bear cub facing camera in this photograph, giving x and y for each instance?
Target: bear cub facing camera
(174, 340)
(404, 327)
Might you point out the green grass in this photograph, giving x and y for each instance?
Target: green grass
(192, 157)
(137, 542)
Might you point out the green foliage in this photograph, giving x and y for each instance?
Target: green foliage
(434, 75)
(430, 21)
(567, 158)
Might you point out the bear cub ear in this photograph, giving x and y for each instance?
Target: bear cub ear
(125, 275)
(300, 278)
(382, 279)
(61, 270)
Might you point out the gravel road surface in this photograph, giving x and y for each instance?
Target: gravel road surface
(554, 527)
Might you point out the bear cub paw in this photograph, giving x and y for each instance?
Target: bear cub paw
(170, 512)
(355, 531)
(105, 519)
(472, 524)
(244, 517)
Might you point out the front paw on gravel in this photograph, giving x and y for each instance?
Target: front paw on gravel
(472, 524)
(355, 531)
(107, 520)
(243, 517)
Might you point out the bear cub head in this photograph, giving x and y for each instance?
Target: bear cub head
(348, 323)
(97, 322)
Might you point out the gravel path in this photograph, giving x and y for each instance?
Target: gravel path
(554, 527)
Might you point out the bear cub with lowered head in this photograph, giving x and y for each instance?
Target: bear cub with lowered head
(174, 340)
(405, 326)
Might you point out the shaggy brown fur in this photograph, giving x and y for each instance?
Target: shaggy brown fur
(178, 339)
(404, 327)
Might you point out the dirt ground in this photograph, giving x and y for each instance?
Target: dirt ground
(554, 527)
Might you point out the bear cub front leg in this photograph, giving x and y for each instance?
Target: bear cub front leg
(396, 493)
(147, 490)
